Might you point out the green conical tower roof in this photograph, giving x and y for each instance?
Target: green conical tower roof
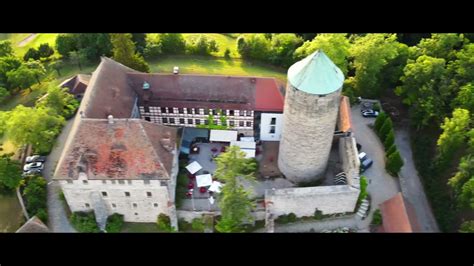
(316, 74)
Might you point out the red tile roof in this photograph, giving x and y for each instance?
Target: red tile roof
(344, 122)
(268, 97)
(77, 84)
(126, 149)
(398, 216)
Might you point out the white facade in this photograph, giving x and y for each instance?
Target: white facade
(270, 126)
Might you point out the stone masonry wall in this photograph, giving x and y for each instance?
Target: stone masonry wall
(304, 201)
(309, 122)
(350, 160)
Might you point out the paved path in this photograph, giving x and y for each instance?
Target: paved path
(411, 185)
(58, 221)
(27, 39)
(382, 186)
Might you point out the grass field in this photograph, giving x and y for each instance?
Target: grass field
(25, 97)
(40, 38)
(215, 66)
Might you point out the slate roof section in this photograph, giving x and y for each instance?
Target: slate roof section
(126, 149)
(77, 84)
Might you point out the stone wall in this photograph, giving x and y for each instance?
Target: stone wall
(309, 122)
(350, 160)
(305, 201)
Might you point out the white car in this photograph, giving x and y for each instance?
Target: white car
(31, 166)
(175, 70)
(35, 158)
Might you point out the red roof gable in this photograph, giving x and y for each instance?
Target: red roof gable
(398, 216)
(268, 96)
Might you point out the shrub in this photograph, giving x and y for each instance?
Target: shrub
(114, 223)
(292, 217)
(282, 219)
(467, 227)
(35, 194)
(42, 214)
(391, 150)
(152, 50)
(376, 107)
(363, 189)
(32, 53)
(379, 121)
(164, 223)
(184, 225)
(197, 225)
(377, 218)
(394, 163)
(227, 53)
(385, 129)
(45, 51)
(389, 140)
(318, 215)
(84, 222)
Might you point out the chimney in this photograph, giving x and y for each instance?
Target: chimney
(111, 119)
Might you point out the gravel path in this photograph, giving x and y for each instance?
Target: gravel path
(58, 221)
(411, 185)
(27, 39)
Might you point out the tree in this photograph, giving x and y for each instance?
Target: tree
(465, 98)
(172, 43)
(65, 44)
(56, 65)
(60, 101)
(164, 223)
(254, 46)
(45, 51)
(4, 93)
(234, 201)
(389, 140)
(10, 172)
(464, 173)
(114, 223)
(93, 45)
(466, 198)
(385, 129)
(371, 54)
(35, 194)
(84, 222)
(38, 69)
(282, 48)
(78, 57)
(22, 78)
(379, 121)
(440, 45)
(335, 46)
(40, 130)
(463, 66)
(227, 53)
(202, 46)
(124, 52)
(152, 49)
(394, 163)
(6, 48)
(391, 150)
(467, 227)
(8, 64)
(32, 53)
(139, 39)
(454, 133)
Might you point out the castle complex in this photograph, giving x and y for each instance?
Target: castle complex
(122, 153)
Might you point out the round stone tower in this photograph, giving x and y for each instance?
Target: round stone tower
(309, 117)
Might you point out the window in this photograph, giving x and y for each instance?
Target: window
(85, 182)
(134, 205)
(148, 194)
(146, 182)
(165, 120)
(121, 182)
(104, 193)
(163, 110)
(114, 182)
(155, 205)
(249, 124)
(241, 123)
(206, 122)
(214, 112)
(273, 122)
(188, 110)
(181, 120)
(104, 181)
(127, 194)
(243, 113)
(171, 120)
(181, 110)
(231, 112)
(231, 123)
(215, 122)
(198, 121)
(190, 121)
(146, 108)
(272, 129)
(163, 183)
(129, 182)
(136, 213)
(206, 111)
(70, 181)
(147, 118)
(88, 205)
(113, 205)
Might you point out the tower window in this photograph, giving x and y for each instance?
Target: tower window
(121, 182)
(88, 205)
(273, 122)
(104, 193)
(155, 205)
(85, 182)
(127, 194)
(272, 129)
(113, 205)
(148, 194)
(134, 205)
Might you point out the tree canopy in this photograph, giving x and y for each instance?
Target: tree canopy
(124, 51)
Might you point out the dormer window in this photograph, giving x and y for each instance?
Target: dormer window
(146, 85)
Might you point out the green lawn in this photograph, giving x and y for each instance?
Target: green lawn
(223, 41)
(215, 66)
(26, 97)
(16, 38)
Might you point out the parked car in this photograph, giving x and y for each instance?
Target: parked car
(35, 158)
(35, 165)
(32, 171)
(365, 164)
(362, 156)
(370, 113)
